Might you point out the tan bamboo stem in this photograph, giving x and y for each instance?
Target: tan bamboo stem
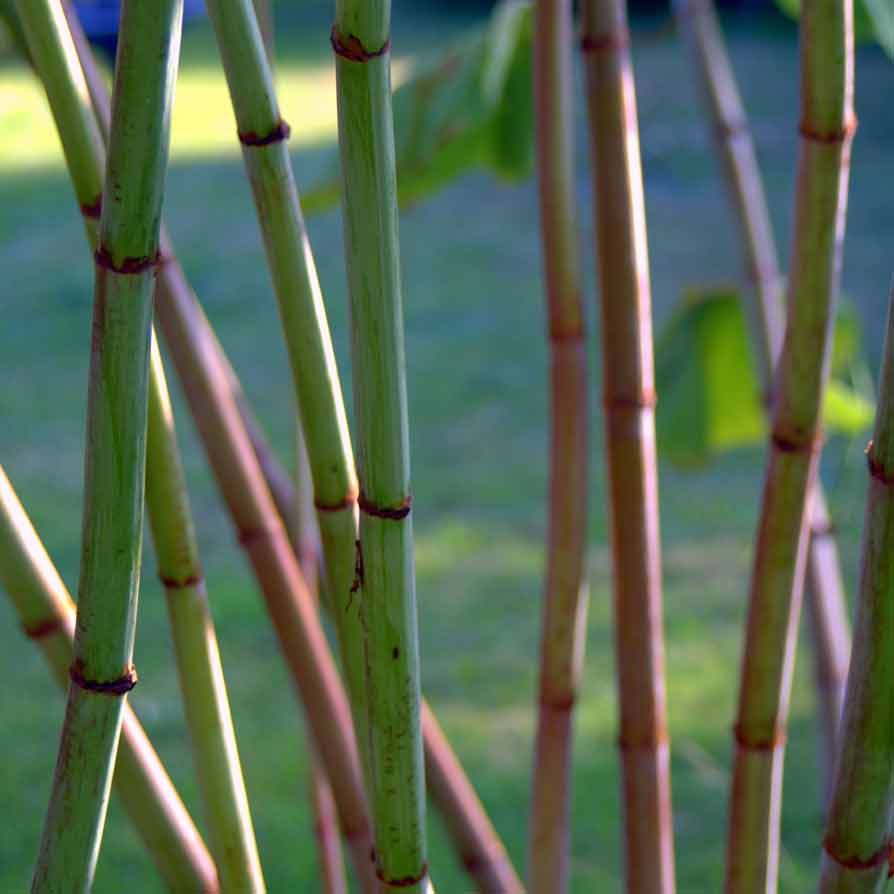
(565, 598)
(826, 127)
(827, 605)
(629, 399)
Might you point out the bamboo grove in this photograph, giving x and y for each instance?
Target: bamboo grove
(335, 540)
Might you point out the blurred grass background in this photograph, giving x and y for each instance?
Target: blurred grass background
(477, 375)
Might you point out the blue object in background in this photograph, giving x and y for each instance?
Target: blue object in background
(99, 19)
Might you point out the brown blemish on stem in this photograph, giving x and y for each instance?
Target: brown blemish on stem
(792, 445)
(730, 130)
(127, 267)
(121, 686)
(392, 513)
(93, 210)
(876, 469)
(175, 583)
(408, 881)
(352, 49)
(885, 854)
(605, 42)
(831, 137)
(659, 739)
(43, 628)
(644, 401)
(248, 537)
(777, 740)
(349, 500)
(279, 133)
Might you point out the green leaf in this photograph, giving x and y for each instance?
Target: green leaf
(710, 400)
(873, 20)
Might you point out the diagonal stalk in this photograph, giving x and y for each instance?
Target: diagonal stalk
(195, 647)
(261, 534)
(198, 660)
(565, 599)
(102, 671)
(826, 602)
(856, 849)
(629, 402)
(47, 615)
(826, 127)
(385, 578)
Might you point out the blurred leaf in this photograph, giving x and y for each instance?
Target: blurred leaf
(710, 398)
(847, 339)
(873, 20)
(469, 107)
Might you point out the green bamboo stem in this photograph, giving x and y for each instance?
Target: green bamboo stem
(827, 605)
(386, 576)
(302, 527)
(565, 599)
(629, 400)
(195, 647)
(207, 386)
(856, 848)
(102, 671)
(47, 615)
(315, 374)
(198, 660)
(826, 126)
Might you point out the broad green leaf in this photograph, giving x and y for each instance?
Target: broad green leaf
(709, 393)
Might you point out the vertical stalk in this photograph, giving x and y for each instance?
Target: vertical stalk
(629, 402)
(195, 647)
(857, 847)
(47, 615)
(827, 605)
(263, 135)
(385, 577)
(102, 672)
(305, 539)
(564, 609)
(198, 661)
(826, 127)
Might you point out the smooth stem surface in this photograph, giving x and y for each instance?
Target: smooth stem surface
(826, 127)
(317, 388)
(827, 605)
(195, 648)
(47, 615)
(629, 399)
(856, 845)
(260, 530)
(385, 579)
(565, 598)
(102, 671)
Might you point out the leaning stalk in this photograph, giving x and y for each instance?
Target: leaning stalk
(263, 135)
(47, 615)
(564, 608)
(629, 401)
(195, 648)
(827, 605)
(826, 127)
(856, 846)
(385, 577)
(102, 671)
(198, 661)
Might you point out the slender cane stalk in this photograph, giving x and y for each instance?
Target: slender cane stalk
(102, 671)
(857, 847)
(826, 127)
(198, 660)
(195, 647)
(564, 611)
(303, 530)
(47, 615)
(629, 401)
(826, 603)
(265, 151)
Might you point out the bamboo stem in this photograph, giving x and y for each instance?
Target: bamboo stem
(195, 647)
(629, 398)
(102, 671)
(827, 605)
(826, 127)
(857, 847)
(260, 531)
(565, 599)
(47, 615)
(198, 660)
(385, 577)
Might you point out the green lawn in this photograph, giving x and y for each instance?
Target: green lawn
(477, 372)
